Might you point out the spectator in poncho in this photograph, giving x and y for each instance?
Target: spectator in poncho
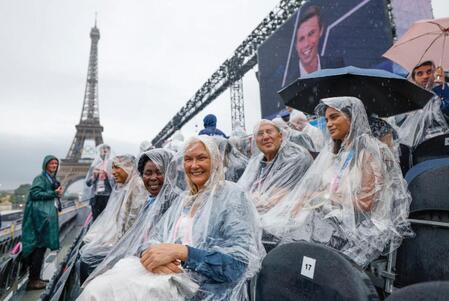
(152, 166)
(99, 181)
(206, 246)
(126, 200)
(275, 170)
(353, 198)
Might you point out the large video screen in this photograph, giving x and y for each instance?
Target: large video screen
(322, 34)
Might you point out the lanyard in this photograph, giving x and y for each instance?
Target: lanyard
(336, 180)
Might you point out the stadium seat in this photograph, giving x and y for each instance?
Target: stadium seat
(425, 257)
(306, 271)
(435, 291)
(405, 159)
(434, 148)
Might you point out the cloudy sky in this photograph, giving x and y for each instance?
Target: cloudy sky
(153, 56)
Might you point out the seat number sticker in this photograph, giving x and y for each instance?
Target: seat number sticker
(308, 267)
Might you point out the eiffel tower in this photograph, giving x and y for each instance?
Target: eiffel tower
(74, 167)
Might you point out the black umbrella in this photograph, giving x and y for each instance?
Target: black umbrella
(383, 93)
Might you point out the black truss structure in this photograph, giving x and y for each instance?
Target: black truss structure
(232, 69)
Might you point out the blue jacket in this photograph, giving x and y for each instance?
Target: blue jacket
(210, 127)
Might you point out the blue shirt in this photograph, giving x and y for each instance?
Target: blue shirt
(150, 201)
(214, 265)
(216, 268)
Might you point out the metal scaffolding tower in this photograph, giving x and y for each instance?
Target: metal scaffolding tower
(237, 105)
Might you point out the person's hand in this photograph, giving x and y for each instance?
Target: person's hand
(439, 76)
(59, 191)
(170, 268)
(163, 254)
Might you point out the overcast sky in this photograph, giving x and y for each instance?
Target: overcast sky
(153, 56)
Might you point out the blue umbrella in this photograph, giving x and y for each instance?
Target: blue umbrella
(382, 92)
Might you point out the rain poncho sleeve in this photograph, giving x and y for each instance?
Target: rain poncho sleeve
(354, 198)
(40, 226)
(125, 201)
(423, 124)
(219, 226)
(268, 183)
(153, 210)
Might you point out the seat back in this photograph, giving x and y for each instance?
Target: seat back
(424, 257)
(435, 291)
(307, 271)
(428, 183)
(433, 148)
(405, 158)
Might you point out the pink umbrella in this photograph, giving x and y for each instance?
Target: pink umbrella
(425, 41)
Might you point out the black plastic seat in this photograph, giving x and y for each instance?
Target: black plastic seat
(428, 183)
(435, 291)
(405, 160)
(286, 271)
(434, 148)
(425, 256)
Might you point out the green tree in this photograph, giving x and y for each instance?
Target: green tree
(21, 194)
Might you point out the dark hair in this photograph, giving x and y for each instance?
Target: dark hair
(141, 164)
(426, 63)
(308, 11)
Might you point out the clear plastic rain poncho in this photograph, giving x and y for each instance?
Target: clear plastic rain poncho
(353, 198)
(99, 180)
(298, 121)
(234, 161)
(384, 132)
(297, 137)
(132, 240)
(145, 146)
(122, 209)
(218, 224)
(176, 144)
(268, 183)
(423, 124)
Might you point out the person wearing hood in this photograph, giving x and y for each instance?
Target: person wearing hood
(127, 199)
(210, 127)
(205, 247)
(234, 161)
(298, 121)
(273, 171)
(99, 181)
(353, 198)
(153, 167)
(40, 226)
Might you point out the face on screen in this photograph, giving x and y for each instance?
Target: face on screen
(307, 39)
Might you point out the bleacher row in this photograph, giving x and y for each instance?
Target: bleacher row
(418, 270)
